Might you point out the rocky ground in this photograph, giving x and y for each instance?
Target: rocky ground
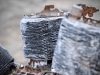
(12, 11)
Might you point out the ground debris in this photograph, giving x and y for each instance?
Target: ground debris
(29, 70)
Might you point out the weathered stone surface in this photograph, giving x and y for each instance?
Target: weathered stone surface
(39, 36)
(6, 61)
(78, 49)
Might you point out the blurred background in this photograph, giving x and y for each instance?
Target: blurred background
(12, 11)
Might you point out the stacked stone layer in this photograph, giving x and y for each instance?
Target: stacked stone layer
(78, 49)
(39, 36)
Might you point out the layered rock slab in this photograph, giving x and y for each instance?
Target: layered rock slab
(39, 36)
(78, 49)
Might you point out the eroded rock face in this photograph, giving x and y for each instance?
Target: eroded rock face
(78, 49)
(6, 61)
(39, 36)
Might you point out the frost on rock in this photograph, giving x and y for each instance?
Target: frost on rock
(78, 49)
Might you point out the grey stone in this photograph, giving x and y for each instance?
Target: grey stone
(39, 36)
(6, 61)
(78, 49)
